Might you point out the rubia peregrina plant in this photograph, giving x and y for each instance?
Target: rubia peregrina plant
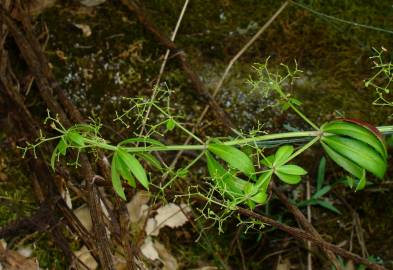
(382, 79)
(239, 176)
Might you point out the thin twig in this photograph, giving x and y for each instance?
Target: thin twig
(162, 68)
(308, 194)
(226, 72)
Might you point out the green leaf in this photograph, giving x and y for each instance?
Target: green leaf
(60, 149)
(260, 197)
(357, 132)
(76, 138)
(123, 170)
(343, 162)
(134, 166)
(256, 195)
(307, 202)
(152, 160)
(225, 180)
(321, 192)
(170, 124)
(362, 182)
(268, 161)
(264, 180)
(116, 182)
(234, 157)
(295, 101)
(288, 178)
(292, 169)
(321, 173)
(328, 206)
(282, 155)
(358, 152)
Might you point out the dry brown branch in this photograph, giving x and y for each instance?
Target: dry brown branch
(302, 235)
(304, 223)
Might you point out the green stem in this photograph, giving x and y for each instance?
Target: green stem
(304, 148)
(244, 141)
(303, 116)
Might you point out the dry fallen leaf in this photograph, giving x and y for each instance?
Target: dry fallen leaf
(137, 208)
(167, 259)
(83, 214)
(86, 258)
(151, 227)
(148, 250)
(284, 265)
(86, 30)
(13, 260)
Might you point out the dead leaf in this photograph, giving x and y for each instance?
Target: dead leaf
(151, 227)
(168, 260)
(284, 265)
(170, 215)
(85, 256)
(137, 208)
(148, 250)
(83, 214)
(92, 3)
(86, 30)
(13, 260)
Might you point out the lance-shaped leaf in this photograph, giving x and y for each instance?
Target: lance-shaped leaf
(60, 149)
(116, 182)
(149, 158)
(123, 170)
(76, 138)
(362, 182)
(358, 152)
(255, 194)
(288, 178)
(134, 166)
(343, 162)
(234, 157)
(358, 131)
(226, 181)
(291, 169)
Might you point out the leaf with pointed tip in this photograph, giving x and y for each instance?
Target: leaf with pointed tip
(123, 170)
(116, 182)
(268, 161)
(358, 130)
(321, 173)
(362, 181)
(264, 180)
(288, 178)
(60, 149)
(329, 206)
(234, 157)
(282, 155)
(291, 169)
(321, 192)
(358, 152)
(225, 180)
(76, 138)
(134, 166)
(343, 162)
(152, 160)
